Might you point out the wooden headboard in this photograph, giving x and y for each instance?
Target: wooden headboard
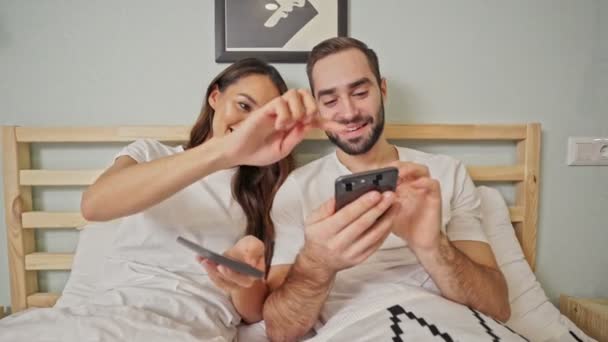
(22, 220)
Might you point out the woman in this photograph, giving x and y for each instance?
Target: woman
(217, 191)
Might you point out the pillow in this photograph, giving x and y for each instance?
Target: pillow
(94, 242)
(532, 314)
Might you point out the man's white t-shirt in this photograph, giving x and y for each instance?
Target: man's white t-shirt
(394, 264)
(147, 268)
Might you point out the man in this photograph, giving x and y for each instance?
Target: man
(428, 233)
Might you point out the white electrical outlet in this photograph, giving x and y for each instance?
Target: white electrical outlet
(587, 151)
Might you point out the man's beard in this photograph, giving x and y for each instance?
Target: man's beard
(363, 144)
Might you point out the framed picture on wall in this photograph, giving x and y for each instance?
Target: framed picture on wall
(282, 31)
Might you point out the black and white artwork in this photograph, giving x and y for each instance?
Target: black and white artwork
(275, 30)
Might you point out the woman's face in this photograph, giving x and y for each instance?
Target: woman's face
(232, 105)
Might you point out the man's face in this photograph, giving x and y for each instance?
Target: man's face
(348, 94)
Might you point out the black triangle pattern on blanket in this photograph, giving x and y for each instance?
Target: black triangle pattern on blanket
(397, 310)
(575, 337)
(489, 330)
(511, 330)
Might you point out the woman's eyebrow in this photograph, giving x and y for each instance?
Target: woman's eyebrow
(248, 98)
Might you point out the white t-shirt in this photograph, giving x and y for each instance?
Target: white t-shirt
(394, 263)
(147, 268)
(204, 212)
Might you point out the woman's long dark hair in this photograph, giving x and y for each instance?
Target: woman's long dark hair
(253, 187)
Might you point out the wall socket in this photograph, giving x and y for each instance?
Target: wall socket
(587, 151)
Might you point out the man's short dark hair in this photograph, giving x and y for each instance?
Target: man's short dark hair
(338, 44)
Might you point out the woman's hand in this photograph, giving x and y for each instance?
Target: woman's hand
(270, 133)
(249, 250)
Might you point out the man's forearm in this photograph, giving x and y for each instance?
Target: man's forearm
(292, 310)
(464, 281)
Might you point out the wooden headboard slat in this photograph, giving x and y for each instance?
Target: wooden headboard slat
(507, 173)
(59, 177)
(48, 261)
(516, 213)
(42, 299)
(527, 191)
(101, 134)
(49, 219)
(17, 199)
(181, 133)
(62, 220)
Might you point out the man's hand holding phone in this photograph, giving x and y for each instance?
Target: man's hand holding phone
(337, 240)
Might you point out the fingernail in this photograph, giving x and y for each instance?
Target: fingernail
(374, 196)
(388, 194)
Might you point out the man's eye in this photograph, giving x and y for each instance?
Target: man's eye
(329, 103)
(360, 94)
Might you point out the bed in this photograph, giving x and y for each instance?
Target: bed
(22, 219)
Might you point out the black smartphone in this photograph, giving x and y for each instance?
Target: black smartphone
(234, 265)
(351, 187)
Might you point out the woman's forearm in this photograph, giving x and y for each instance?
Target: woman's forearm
(130, 188)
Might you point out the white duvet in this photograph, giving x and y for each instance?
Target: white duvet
(414, 314)
(151, 304)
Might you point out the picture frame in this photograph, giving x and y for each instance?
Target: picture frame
(281, 31)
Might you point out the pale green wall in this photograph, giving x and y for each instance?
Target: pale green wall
(468, 61)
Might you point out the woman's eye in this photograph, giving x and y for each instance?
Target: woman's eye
(244, 106)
